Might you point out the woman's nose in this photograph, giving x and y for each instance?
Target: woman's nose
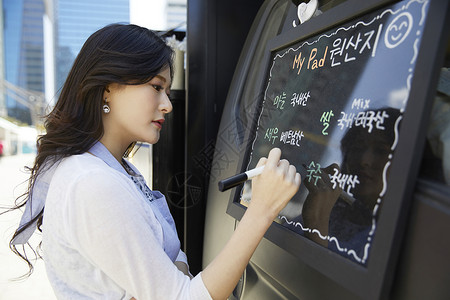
(166, 105)
(368, 157)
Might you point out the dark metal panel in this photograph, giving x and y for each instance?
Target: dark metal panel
(218, 225)
(216, 32)
(423, 271)
(168, 159)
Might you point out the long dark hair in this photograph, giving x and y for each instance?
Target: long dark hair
(117, 53)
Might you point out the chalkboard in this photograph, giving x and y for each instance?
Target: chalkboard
(335, 101)
(338, 98)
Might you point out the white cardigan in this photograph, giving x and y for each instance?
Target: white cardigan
(102, 240)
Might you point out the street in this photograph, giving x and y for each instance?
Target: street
(12, 174)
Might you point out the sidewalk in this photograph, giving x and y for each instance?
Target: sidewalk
(37, 287)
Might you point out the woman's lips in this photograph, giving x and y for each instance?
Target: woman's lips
(158, 123)
(366, 176)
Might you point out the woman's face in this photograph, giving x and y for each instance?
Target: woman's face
(367, 158)
(137, 111)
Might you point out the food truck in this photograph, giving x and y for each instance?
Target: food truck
(356, 95)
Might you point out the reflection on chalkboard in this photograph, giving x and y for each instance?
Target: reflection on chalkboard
(333, 103)
(344, 198)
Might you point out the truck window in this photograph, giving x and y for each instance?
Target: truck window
(436, 159)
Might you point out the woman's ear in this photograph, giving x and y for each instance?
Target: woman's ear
(106, 92)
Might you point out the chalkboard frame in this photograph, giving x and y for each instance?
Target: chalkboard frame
(372, 281)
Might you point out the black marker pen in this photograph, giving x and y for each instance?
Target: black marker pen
(237, 179)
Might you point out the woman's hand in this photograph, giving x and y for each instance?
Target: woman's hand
(271, 191)
(277, 184)
(319, 203)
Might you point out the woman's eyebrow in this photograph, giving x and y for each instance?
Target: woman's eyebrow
(164, 80)
(161, 77)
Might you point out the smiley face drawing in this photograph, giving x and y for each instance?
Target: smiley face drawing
(398, 30)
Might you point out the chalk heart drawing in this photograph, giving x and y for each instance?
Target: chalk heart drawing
(305, 11)
(398, 30)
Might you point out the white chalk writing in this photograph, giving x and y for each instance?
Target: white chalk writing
(345, 181)
(291, 137)
(348, 47)
(300, 98)
(360, 103)
(366, 119)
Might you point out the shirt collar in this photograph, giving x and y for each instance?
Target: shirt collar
(103, 153)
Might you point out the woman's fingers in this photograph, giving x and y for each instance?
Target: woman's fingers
(279, 180)
(273, 158)
(330, 168)
(262, 161)
(283, 167)
(292, 171)
(298, 179)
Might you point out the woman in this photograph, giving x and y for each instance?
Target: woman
(106, 235)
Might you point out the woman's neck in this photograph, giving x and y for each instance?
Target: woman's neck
(116, 149)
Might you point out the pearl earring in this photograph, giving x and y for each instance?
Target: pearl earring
(106, 108)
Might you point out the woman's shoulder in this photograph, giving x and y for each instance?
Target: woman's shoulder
(85, 177)
(86, 168)
(83, 164)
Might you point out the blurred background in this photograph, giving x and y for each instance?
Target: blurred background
(39, 41)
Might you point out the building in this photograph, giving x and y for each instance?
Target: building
(176, 14)
(23, 54)
(3, 111)
(41, 39)
(75, 21)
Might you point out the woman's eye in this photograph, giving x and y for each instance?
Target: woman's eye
(158, 88)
